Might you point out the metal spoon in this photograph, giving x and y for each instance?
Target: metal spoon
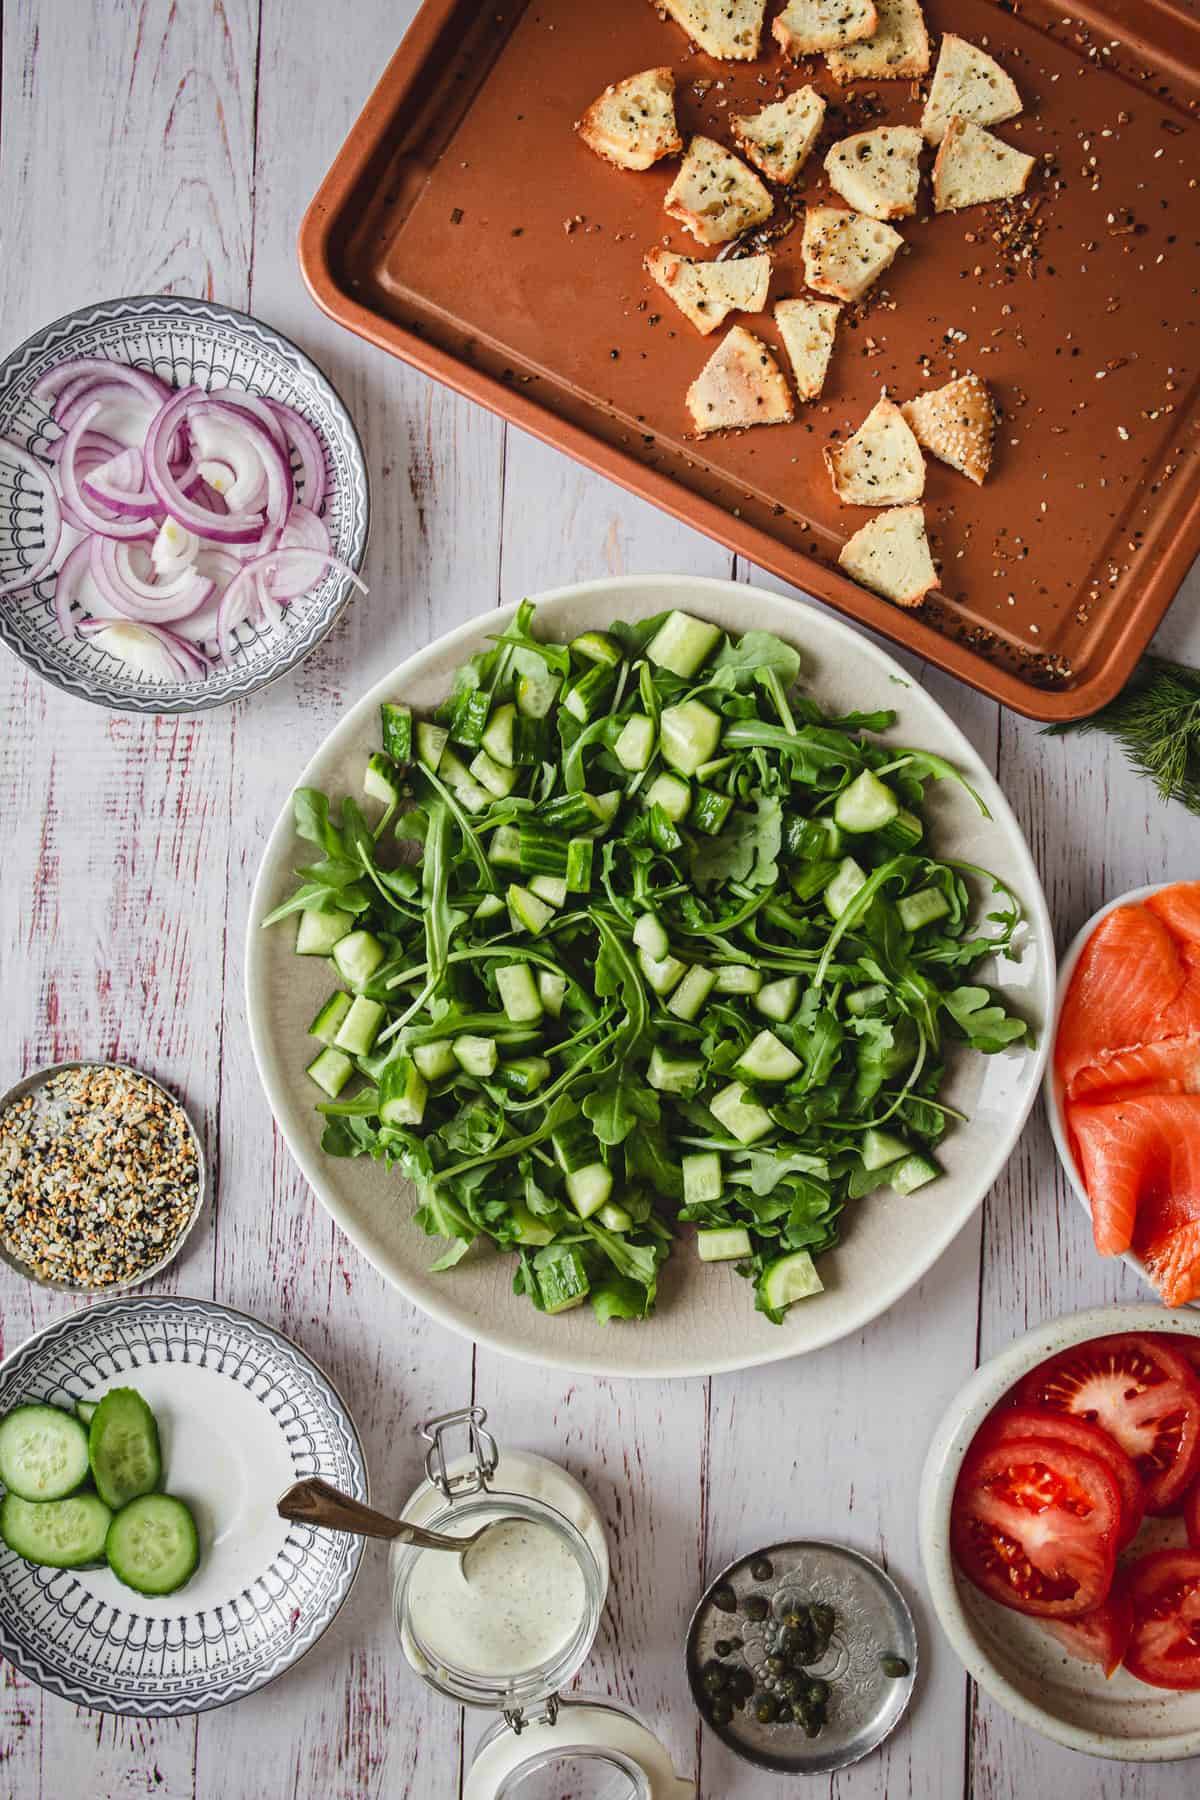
(315, 1502)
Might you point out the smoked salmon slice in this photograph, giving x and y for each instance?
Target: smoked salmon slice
(1169, 1067)
(1179, 909)
(1183, 1014)
(1124, 987)
(1140, 1160)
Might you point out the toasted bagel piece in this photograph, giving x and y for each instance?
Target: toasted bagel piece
(878, 172)
(973, 166)
(741, 384)
(707, 292)
(881, 465)
(807, 328)
(957, 424)
(726, 29)
(890, 555)
(898, 48)
(778, 139)
(633, 124)
(844, 252)
(715, 196)
(810, 27)
(970, 83)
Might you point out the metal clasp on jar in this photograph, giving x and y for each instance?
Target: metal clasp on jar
(481, 1448)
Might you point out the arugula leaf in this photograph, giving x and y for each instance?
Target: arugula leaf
(983, 1022)
(740, 664)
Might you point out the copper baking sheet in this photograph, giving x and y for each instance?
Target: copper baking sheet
(465, 228)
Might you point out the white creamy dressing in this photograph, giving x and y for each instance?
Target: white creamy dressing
(511, 1604)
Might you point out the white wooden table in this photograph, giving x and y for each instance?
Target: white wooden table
(173, 144)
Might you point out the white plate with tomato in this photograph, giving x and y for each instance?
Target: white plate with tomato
(1060, 1529)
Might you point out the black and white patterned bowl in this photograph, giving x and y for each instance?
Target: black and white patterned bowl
(242, 1414)
(182, 341)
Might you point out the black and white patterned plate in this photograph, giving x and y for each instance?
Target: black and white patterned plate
(242, 1414)
(182, 341)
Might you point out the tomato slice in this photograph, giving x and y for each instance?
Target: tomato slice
(1164, 1649)
(1101, 1636)
(1142, 1392)
(1191, 1514)
(1034, 1525)
(1038, 1421)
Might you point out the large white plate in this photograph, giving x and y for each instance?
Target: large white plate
(705, 1321)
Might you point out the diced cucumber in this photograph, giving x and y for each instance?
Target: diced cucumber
(588, 697)
(552, 991)
(650, 935)
(914, 1172)
(530, 1229)
(765, 1058)
(123, 1448)
(635, 746)
(688, 735)
(707, 770)
(43, 1452)
(904, 832)
(471, 795)
(661, 974)
(361, 1026)
(431, 744)
(489, 907)
(607, 805)
(777, 999)
(574, 1145)
(57, 1534)
(588, 1188)
(701, 1177)
(504, 847)
(543, 851)
(879, 1148)
(844, 885)
(331, 1070)
(470, 716)
(723, 1244)
(327, 1023)
(682, 643)
(597, 647)
(922, 908)
(673, 795)
(495, 777)
(790, 1278)
(811, 879)
(563, 1283)
(614, 1217)
(536, 694)
(868, 804)
(152, 1545)
(861, 1001)
(711, 811)
(402, 1093)
(738, 978)
(692, 992)
(812, 840)
(497, 740)
(475, 1055)
(569, 812)
(357, 956)
(85, 1411)
(435, 1060)
(380, 780)
(673, 1074)
(527, 911)
(318, 932)
(518, 993)
(580, 852)
(550, 888)
(525, 1074)
(396, 729)
(740, 1114)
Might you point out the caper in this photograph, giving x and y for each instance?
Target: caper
(895, 1667)
(794, 1621)
(714, 1678)
(723, 1647)
(721, 1710)
(734, 1643)
(764, 1709)
(817, 1693)
(724, 1598)
(776, 1665)
(762, 1568)
(756, 1608)
(784, 1714)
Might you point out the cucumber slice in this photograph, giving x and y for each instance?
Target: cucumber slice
(580, 852)
(711, 811)
(790, 1278)
(904, 832)
(360, 1027)
(43, 1452)
(812, 878)
(723, 1245)
(914, 1172)
(588, 697)
(471, 795)
(331, 1070)
(402, 1093)
(504, 847)
(85, 1411)
(845, 884)
(661, 973)
(614, 1217)
(701, 1177)
(777, 999)
(922, 908)
(765, 1058)
(688, 733)
(123, 1448)
(357, 956)
(543, 851)
(497, 740)
(588, 1188)
(469, 715)
(597, 647)
(692, 992)
(152, 1545)
(550, 888)
(518, 993)
(563, 1283)
(431, 745)
(879, 1148)
(673, 795)
(868, 804)
(740, 1114)
(475, 1055)
(673, 1074)
(498, 780)
(396, 729)
(379, 779)
(650, 935)
(574, 1146)
(529, 1228)
(536, 694)
(59, 1534)
(527, 911)
(318, 932)
(435, 1060)
(525, 1074)
(738, 978)
(861, 1001)
(682, 643)
(635, 746)
(606, 806)
(552, 991)
(489, 908)
(328, 1021)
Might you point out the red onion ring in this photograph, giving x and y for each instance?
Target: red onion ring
(78, 501)
(93, 369)
(303, 531)
(51, 520)
(122, 587)
(119, 485)
(237, 598)
(307, 446)
(235, 528)
(280, 496)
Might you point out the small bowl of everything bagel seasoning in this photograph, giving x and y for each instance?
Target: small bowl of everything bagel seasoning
(101, 1177)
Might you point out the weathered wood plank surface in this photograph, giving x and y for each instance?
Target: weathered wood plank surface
(165, 145)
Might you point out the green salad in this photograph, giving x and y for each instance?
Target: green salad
(635, 945)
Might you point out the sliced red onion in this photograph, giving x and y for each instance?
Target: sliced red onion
(303, 531)
(268, 606)
(136, 598)
(173, 550)
(51, 519)
(123, 414)
(220, 566)
(79, 503)
(258, 409)
(93, 369)
(226, 433)
(141, 646)
(238, 596)
(307, 446)
(219, 476)
(236, 528)
(119, 485)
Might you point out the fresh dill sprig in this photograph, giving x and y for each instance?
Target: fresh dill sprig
(1156, 721)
